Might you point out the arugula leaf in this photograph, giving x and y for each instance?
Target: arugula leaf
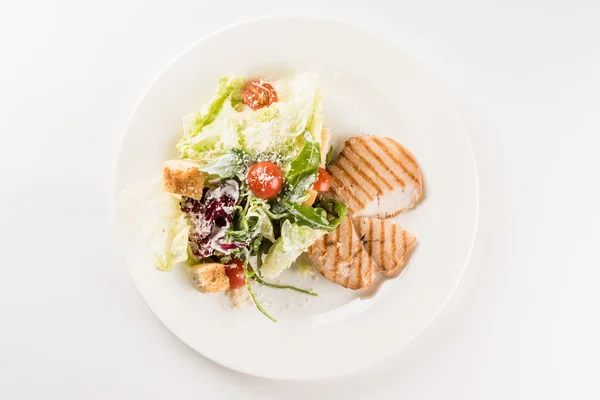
(250, 274)
(273, 285)
(317, 217)
(228, 165)
(302, 172)
(308, 216)
(336, 208)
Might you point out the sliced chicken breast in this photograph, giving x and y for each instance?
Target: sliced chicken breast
(341, 257)
(387, 243)
(375, 177)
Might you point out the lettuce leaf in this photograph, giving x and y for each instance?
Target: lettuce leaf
(279, 128)
(228, 165)
(157, 216)
(307, 216)
(336, 209)
(203, 144)
(294, 240)
(326, 215)
(302, 172)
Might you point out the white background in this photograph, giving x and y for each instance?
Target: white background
(524, 321)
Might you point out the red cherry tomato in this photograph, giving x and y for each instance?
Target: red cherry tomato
(258, 94)
(265, 179)
(323, 181)
(235, 273)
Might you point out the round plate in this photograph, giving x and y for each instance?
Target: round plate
(369, 88)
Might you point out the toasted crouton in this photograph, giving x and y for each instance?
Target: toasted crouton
(184, 178)
(209, 277)
(312, 196)
(325, 144)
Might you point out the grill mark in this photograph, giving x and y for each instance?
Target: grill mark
(320, 253)
(403, 244)
(367, 164)
(412, 241)
(323, 246)
(405, 153)
(336, 251)
(335, 193)
(359, 171)
(375, 156)
(351, 195)
(351, 179)
(398, 162)
(393, 249)
(360, 279)
(314, 249)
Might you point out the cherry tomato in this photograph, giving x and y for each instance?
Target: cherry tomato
(258, 94)
(235, 273)
(323, 181)
(265, 179)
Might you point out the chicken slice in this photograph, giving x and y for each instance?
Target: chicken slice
(340, 257)
(387, 243)
(375, 177)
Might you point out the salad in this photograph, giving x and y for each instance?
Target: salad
(242, 203)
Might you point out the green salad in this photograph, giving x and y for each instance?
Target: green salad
(241, 204)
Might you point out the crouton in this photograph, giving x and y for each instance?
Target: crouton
(311, 199)
(209, 277)
(184, 178)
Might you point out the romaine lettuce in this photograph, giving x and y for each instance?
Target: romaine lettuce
(302, 171)
(294, 240)
(157, 216)
(278, 128)
(210, 133)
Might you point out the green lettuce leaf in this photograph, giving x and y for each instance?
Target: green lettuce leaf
(278, 128)
(336, 209)
(228, 165)
(329, 157)
(281, 126)
(305, 266)
(203, 144)
(157, 217)
(302, 172)
(294, 240)
(326, 215)
(307, 216)
(315, 125)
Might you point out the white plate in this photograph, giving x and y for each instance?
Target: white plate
(369, 87)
